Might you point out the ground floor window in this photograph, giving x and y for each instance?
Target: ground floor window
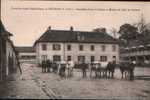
(114, 58)
(81, 58)
(44, 57)
(103, 58)
(56, 58)
(92, 58)
(69, 58)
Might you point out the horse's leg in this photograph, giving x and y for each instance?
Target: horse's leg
(100, 73)
(105, 73)
(125, 75)
(95, 73)
(112, 74)
(91, 73)
(121, 74)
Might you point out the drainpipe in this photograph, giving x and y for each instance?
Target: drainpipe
(64, 52)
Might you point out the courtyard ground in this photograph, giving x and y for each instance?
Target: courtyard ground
(35, 84)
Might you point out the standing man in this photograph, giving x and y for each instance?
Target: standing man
(43, 66)
(84, 67)
(133, 63)
(70, 65)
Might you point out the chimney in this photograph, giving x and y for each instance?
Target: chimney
(71, 28)
(49, 28)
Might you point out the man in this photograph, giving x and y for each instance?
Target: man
(84, 67)
(70, 68)
(132, 66)
(43, 66)
(48, 65)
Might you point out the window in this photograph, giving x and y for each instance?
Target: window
(56, 58)
(68, 47)
(44, 57)
(114, 58)
(92, 47)
(68, 58)
(81, 58)
(56, 47)
(103, 47)
(44, 47)
(81, 47)
(113, 48)
(103, 58)
(92, 58)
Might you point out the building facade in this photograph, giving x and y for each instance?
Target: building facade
(64, 45)
(26, 54)
(139, 53)
(8, 57)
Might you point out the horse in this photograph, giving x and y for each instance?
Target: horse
(54, 67)
(94, 67)
(110, 69)
(62, 69)
(127, 70)
(103, 69)
(83, 67)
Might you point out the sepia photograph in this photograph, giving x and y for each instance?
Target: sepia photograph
(53, 49)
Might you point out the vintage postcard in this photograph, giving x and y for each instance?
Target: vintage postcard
(75, 50)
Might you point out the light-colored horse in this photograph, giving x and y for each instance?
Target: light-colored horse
(98, 67)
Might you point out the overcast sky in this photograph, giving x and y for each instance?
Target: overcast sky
(28, 20)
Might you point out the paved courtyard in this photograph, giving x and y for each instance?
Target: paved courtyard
(35, 84)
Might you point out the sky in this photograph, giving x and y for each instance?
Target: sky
(28, 20)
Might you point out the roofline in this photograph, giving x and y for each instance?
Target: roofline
(37, 41)
(23, 46)
(74, 42)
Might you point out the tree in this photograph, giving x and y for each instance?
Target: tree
(144, 30)
(128, 33)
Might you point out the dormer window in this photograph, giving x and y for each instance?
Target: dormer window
(80, 37)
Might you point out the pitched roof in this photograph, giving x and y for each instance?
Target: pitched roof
(72, 36)
(3, 30)
(25, 49)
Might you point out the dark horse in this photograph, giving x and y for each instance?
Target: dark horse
(102, 69)
(127, 70)
(110, 69)
(83, 66)
(54, 67)
(95, 67)
(62, 70)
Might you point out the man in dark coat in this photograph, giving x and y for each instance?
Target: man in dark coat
(43, 66)
(84, 67)
(48, 65)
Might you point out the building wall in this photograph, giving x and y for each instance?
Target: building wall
(140, 55)
(75, 51)
(11, 60)
(3, 58)
(29, 56)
